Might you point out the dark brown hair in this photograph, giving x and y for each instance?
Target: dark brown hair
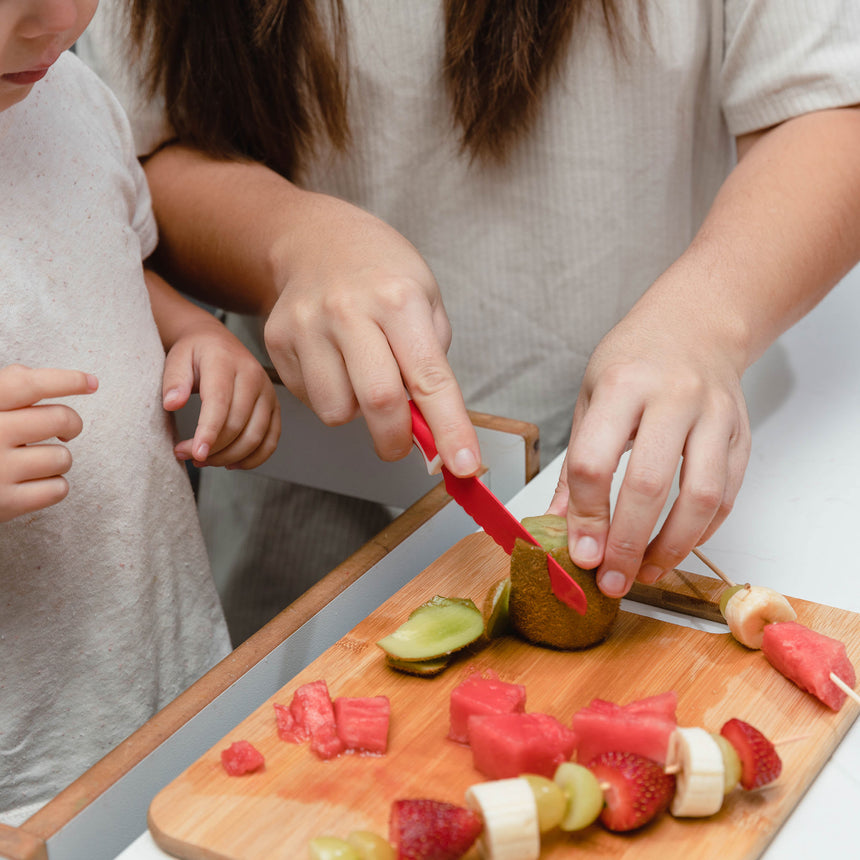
(265, 79)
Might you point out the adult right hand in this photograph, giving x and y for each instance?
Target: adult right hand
(359, 327)
(31, 468)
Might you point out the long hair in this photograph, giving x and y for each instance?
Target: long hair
(266, 79)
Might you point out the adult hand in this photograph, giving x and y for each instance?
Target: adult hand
(359, 327)
(31, 467)
(676, 396)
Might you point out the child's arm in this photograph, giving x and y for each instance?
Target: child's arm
(240, 419)
(31, 474)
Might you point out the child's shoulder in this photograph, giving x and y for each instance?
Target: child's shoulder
(73, 79)
(72, 102)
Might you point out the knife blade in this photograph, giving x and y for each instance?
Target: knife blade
(488, 511)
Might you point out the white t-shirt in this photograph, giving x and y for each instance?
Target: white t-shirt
(537, 259)
(107, 607)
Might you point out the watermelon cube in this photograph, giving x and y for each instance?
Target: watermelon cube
(507, 745)
(807, 658)
(241, 757)
(310, 716)
(642, 727)
(362, 722)
(482, 695)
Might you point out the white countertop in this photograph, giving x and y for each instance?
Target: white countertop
(794, 526)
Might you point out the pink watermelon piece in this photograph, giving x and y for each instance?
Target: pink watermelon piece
(482, 695)
(642, 727)
(241, 757)
(310, 716)
(362, 722)
(507, 745)
(807, 658)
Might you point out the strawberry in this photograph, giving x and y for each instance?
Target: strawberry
(432, 829)
(635, 789)
(760, 762)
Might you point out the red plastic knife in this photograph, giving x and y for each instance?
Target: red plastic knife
(479, 502)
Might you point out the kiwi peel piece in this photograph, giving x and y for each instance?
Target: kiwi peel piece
(435, 629)
(421, 668)
(496, 616)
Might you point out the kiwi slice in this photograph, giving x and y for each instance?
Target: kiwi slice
(538, 616)
(496, 620)
(435, 629)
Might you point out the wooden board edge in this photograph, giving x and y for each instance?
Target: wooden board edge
(17, 844)
(61, 809)
(528, 431)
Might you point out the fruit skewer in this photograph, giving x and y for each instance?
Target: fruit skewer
(767, 606)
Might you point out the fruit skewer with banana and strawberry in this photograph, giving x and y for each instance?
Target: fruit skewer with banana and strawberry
(762, 619)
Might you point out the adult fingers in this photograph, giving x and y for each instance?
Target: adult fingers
(602, 428)
(431, 382)
(644, 489)
(22, 386)
(715, 458)
(308, 363)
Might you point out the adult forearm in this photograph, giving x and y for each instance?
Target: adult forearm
(218, 222)
(784, 229)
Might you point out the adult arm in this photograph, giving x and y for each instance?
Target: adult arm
(783, 230)
(355, 320)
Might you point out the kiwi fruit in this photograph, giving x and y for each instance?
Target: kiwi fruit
(549, 530)
(536, 614)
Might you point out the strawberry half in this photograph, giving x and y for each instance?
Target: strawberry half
(635, 789)
(425, 829)
(760, 762)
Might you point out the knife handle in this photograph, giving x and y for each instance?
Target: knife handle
(424, 441)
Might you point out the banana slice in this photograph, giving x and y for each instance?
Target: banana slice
(700, 780)
(511, 830)
(750, 608)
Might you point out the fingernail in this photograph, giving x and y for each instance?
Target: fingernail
(650, 573)
(171, 395)
(465, 462)
(92, 382)
(586, 552)
(202, 452)
(613, 583)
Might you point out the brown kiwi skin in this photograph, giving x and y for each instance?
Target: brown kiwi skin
(539, 617)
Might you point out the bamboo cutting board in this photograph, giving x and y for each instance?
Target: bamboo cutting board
(274, 813)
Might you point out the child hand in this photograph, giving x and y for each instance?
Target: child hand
(31, 474)
(240, 419)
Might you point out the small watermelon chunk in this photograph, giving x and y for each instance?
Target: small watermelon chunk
(507, 745)
(362, 722)
(241, 757)
(482, 695)
(807, 658)
(643, 727)
(310, 716)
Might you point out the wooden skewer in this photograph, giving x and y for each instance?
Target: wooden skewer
(844, 687)
(703, 558)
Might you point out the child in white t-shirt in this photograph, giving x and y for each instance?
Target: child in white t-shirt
(107, 606)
